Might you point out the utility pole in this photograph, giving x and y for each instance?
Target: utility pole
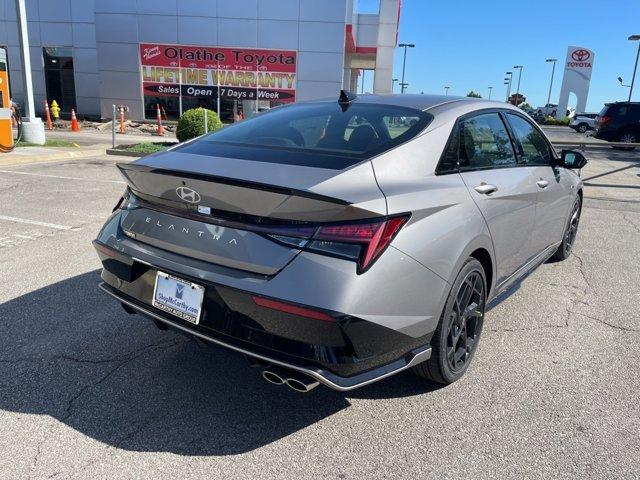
(490, 88)
(403, 85)
(509, 87)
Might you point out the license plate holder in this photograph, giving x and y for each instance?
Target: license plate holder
(178, 297)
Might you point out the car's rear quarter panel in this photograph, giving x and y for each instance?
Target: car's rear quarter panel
(446, 226)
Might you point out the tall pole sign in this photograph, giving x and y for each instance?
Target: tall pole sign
(577, 78)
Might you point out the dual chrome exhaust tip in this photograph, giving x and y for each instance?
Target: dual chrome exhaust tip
(294, 380)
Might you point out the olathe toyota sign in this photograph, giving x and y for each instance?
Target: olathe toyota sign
(232, 73)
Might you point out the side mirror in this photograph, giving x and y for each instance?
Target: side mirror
(573, 159)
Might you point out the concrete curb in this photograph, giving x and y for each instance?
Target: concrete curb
(124, 153)
(18, 159)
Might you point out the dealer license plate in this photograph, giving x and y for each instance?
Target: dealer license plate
(178, 297)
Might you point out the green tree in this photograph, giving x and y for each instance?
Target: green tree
(526, 107)
(474, 94)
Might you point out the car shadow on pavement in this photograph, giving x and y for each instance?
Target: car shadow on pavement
(71, 352)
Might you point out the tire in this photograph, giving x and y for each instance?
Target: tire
(570, 232)
(628, 137)
(583, 127)
(440, 366)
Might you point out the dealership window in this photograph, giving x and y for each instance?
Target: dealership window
(59, 77)
(170, 106)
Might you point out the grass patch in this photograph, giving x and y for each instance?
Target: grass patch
(145, 147)
(51, 142)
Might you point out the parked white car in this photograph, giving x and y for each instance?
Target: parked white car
(548, 109)
(583, 122)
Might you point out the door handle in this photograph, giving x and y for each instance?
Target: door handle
(542, 183)
(486, 189)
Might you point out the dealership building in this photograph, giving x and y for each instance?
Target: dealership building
(90, 55)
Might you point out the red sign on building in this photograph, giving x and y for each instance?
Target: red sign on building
(238, 73)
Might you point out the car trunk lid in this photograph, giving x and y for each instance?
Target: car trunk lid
(252, 216)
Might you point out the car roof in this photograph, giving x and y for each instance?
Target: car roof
(408, 100)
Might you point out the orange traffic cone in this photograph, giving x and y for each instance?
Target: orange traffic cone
(122, 129)
(74, 122)
(48, 115)
(160, 131)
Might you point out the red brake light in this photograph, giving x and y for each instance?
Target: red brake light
(373, 238)
(603, 120)
(293, 309)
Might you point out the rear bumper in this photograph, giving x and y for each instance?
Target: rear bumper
(324, 376)
(372, 325)
(343, 354)
(607, 135)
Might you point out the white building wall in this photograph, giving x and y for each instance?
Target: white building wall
(105, 34)
(315, 29)
(54, 23)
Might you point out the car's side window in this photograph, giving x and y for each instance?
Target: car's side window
(449, 161)
(485, 143)
(532, 147)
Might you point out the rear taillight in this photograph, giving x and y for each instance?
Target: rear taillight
(360, 242)
(603, 120)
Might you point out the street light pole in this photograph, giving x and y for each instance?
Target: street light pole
(446, 90)
(509, 87)
(633, 78)
(393, 83)
(553, 70)
(362, 86)
(490, 88)
(519, 67)
(404, 63)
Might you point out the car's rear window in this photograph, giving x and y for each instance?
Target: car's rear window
(323, 135)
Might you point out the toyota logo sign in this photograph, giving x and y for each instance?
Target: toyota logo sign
(581, 55)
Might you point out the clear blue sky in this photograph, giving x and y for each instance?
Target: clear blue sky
(470, 45)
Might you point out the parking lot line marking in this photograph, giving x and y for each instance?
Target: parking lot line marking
(121, 182)
(35, 222)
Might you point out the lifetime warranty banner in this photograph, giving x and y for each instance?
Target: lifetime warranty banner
(238, 73)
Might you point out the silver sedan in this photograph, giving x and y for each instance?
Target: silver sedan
(345, 240)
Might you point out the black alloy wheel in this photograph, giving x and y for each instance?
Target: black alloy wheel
(572, 228)
(570, 232)
(465, 321)
(456, 338)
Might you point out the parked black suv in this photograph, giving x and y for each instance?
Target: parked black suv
(619, 122)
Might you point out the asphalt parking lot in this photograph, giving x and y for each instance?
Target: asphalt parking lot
(87, 391)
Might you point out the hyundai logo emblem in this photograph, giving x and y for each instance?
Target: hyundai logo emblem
(187, 194)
